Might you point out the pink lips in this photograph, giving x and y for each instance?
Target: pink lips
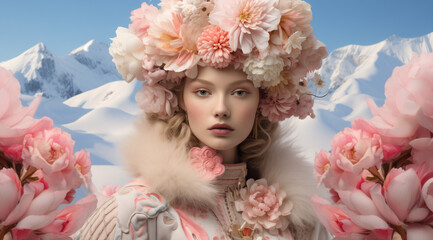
(221, 129)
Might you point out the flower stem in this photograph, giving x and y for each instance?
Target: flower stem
(3, 231)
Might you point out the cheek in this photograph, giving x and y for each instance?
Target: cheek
(194, 109)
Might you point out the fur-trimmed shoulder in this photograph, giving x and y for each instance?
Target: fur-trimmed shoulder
(164, 166)
(294, 174)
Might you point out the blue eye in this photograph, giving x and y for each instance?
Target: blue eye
(202, 93)
(240, 93)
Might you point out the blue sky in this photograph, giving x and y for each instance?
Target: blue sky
(64, 25)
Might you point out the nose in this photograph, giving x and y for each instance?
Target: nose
(222, 109)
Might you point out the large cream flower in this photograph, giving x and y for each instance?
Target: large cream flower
(264, 72)
(127, 51)
(247, 21)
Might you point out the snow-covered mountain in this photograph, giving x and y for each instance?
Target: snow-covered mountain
(100, 118)
(352, 74)
(41, 72)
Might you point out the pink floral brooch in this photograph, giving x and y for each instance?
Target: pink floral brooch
(264, 206)
(207, 162)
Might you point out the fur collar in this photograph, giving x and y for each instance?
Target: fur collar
(164, 165)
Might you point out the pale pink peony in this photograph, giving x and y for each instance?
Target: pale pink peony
(214, 47)
(264, 72)
(408, 106)
(157, 100)
(68, 220)
(52, 152)
(277, 107)
(321, 165)
(141, 17)
(10, 193)
(264, 206)
(127, 51)
(335, 219)
(248, 22)
(16, 120)
(354, 150)
(207, 162)
(83, 164)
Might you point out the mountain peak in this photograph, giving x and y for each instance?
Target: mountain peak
(39, 48)
(90, 46)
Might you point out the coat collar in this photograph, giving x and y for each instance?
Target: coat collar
(165, 166)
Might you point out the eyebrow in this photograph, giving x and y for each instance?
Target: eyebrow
(237, 82)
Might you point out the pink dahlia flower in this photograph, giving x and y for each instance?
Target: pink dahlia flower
(214, 47)
(207, 162)
(156, 100)
(408, 108)
(247, 21)
(264, 206)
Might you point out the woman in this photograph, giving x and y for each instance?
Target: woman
(208, 155)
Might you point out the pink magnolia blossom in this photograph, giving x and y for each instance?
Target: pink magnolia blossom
(419, 232)
(408, 105)
(248, 22)
(207, 162)
(427, 193)
(214, 47)
(264, 206)
(52, 152)
(10, 193)
(422, 150)
(68, 220)
(336, 220)
(157, 100)
(140, 19)
(16, 120)
(399, 200)
(37, 206)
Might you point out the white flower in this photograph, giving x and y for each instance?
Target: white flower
(196, 11)
(127, 51)
(264, 72)
(294, 44)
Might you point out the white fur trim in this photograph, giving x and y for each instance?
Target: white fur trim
(164, 166)
(285, 166)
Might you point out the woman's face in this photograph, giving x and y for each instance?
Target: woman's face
(221, 105)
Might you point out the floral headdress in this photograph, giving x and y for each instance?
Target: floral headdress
(270, 40)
